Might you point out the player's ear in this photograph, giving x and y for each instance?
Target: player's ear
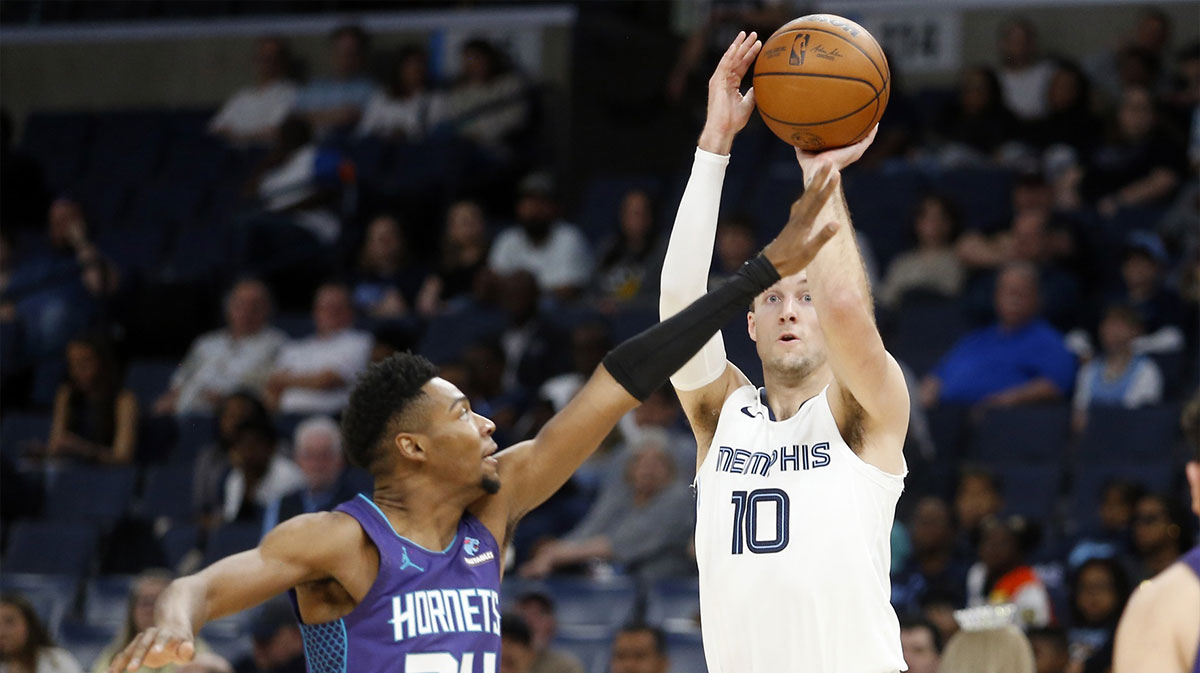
(1193, 477)
(410, 446)
(750, 328)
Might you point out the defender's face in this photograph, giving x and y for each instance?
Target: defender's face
(460, 444)
(784, 327)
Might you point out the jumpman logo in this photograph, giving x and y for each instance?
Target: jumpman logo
(405, 562)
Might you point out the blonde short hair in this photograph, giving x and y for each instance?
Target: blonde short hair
(1002, 650)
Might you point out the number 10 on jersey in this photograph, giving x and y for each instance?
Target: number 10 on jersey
(746, 515)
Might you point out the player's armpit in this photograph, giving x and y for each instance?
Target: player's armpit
(702, 406)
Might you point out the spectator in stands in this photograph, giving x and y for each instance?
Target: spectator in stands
(1118, 377)
(1099, 590)
(278, 646)
(631, 260)
(488, 104)
(978, 122)
(54, 293)
(485, 364)
(387, 280)
(254, 113)
(639, 648)
(542, 243)
(259, 475)
(516, 645)
(140, 616)
(1115, 515)
(25, 644)
(537, 609)
(212, 463)
(95, 419)
(532, 345)
(1050, 650)
(313, 375)
(642, 524)
(1002, 649)
(1001, 574)
(1140, 163)
(317, 450)
(1150, 37)
(1158, 535)
(590, 341)
(1069, 118)
(921, 644)
(734, 244)
(297, 222)
(979, 496)
(1144, 288)
(935, 564)
(221, 361)
(1184, 94)
(1024, 75)
(1019, 360)
(336, 103)
(933, 265)
(408, 108)
(464, 251)
(938, 608)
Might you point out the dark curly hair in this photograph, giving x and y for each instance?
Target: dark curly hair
(384, 395)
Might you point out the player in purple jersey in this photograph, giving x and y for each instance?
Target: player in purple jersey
(408, 581)
(1160, 630)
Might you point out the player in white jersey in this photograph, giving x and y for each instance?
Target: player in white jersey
(796, 482)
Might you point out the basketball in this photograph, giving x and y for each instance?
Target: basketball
(821, 82)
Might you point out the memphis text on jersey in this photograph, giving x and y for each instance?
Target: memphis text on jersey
(436, 611)
(794, 458)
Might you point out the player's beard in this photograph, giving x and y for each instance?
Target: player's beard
(793, 368)
(490, 484)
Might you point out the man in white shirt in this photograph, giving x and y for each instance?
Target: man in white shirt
(553, 250)
(254, 112)
(1024, 76)
(314, 375)
(221, 361)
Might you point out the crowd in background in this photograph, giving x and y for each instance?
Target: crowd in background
(1084, 294)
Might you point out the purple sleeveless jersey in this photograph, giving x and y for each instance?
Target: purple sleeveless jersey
(427, 612)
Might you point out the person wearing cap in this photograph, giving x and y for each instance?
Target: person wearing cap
(1143, 268)
(278, 647)
(542, 243)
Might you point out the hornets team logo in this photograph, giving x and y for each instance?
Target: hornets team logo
(471, 546)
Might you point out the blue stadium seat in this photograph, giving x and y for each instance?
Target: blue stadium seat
(230, 539)
(1030, 490)
(926, 328)
(882, 205)
(1130, 435)
(178, 541)
(60, 142)
(128, 143)
(19, 431)
(674, 604)
(984, 195)
(168, 494)
(1089, 477)
(85, 641)
(149, 379)
(52, 596)
(686, 652)
(948, 428)
(1030, 433)
(590, 646)
(50, 547)
(105, 201)
(632, 319)
(195, 433)
(582, 602)
(599, 209)
(199, 250)
(91, 494)
(106, 600)
(372, 158)
(449, 334)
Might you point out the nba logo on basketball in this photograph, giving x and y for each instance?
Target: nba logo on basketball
(800, 43)
(471, 546)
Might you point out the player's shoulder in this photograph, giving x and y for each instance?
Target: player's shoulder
(318, 536)
(1156, 598)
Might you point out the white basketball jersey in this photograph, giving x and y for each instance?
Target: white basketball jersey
(793, 542)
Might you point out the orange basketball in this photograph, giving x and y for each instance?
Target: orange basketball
(821, 81)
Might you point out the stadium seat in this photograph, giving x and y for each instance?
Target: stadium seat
(583, 602)
(1030, 433)
(106, 600)
(948, 427)
(882, 204)
(20, 431)
(195, 433)
(168, 494)
(177, 542)
(1089, 478)
(591, 646)
(149, 379)
(85, 641)
(983, 195)
(449, 334)
(926, 327)
(230, 539)
(630, 320)
(686, 652)
(52, 596)
(128, 143)
(60, 142)
(50, 547)
(1129, 435)
(674, 604)
(599, 210)
(90, 494)
(1030, 490)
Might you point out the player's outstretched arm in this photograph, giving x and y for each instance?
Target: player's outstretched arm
(532, 471)
(704, 381)
(865, 374)
(302, 549)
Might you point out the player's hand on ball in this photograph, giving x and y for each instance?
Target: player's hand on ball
(728, 109)
(155, 647)
(801, 238)
(840, 157)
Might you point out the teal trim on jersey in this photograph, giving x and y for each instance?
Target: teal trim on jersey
(389, 525)
(325, 646)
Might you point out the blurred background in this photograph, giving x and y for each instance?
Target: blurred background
(216, 213)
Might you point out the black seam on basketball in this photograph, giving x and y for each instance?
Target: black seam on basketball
(874, 99)
(817, 74)
(847, 41)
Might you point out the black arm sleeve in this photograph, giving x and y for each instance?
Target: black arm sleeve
(644, 362)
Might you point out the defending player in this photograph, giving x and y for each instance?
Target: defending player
(408, 581)
(796, 483)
